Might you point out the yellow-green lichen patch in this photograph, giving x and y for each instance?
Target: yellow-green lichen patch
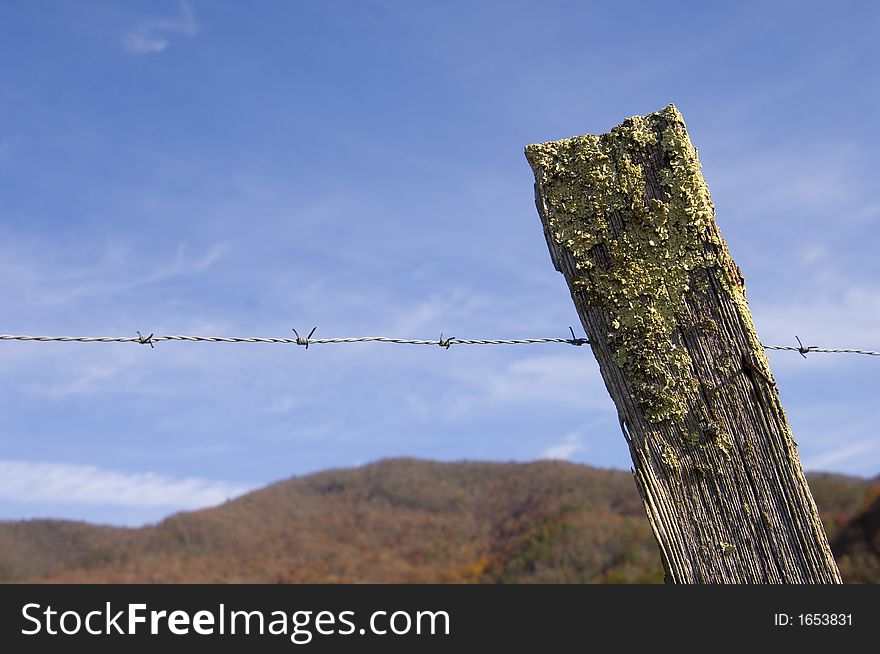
(637, 251)
(726, 548)
(707, 470)
(691, 437)
(707, 326)
(718, 436)
(670, 459)
(723, 442)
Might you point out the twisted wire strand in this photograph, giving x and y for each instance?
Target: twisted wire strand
(308, 340)
(826, 350)
(145, 340)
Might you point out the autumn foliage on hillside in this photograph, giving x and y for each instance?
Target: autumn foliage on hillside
(399, 520)
(857, 546)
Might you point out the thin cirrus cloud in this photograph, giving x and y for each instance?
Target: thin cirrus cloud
(65, 483)
(154, 36)
(566, 380)
(850, 453)
(838, 313)
(566, 448)
(106, 280)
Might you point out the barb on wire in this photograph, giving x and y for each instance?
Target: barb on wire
(803, 350)
(445, 343)
(823, 350)
(304, 341)
(575, 340)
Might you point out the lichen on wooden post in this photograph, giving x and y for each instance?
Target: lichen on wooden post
(630, 224)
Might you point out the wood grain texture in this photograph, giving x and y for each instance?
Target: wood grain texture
(630, 224)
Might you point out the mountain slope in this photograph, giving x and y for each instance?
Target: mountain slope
(399, 520)
(857, 546)
(33, 547)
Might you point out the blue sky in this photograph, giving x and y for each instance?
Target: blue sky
(232, 168)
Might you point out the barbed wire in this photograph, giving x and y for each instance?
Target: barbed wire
(445, 343)
(805, 350)
(826, 350)
(297, 340)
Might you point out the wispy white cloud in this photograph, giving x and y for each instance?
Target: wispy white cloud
(834, 313)
(64, 483)
(845, 456)
(212, 256)
(109, 277)
(154, 36)
(434, 311)
(141, 42)
(816, 177)
(90, 378)
(284, 405)
(550, 381)
(122, 371)
(567, 447)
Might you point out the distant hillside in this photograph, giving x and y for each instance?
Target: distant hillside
(857, 545)
(399, 520)
(33, 547)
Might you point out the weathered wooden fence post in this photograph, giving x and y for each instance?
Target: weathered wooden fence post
(630, 224)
